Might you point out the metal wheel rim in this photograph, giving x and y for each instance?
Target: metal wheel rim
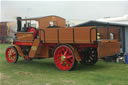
(64, 58)
(11, 55)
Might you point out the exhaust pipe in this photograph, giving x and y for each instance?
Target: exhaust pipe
(19, 24)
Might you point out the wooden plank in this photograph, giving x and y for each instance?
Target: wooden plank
(34, 48)
(108, 48)
(42, 52)
(66, 35)
(51, 35)
(19, 50)
(82, 34)
(25, 36)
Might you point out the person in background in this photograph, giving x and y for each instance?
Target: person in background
(111, 36)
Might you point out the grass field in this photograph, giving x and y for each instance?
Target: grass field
(44, 72)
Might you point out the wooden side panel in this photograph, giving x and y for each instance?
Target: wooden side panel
(76, 53)
(25, 36)
(66, 35)
(82, 34)
(42, 52)
(51, 35)
(19, 50)
(77, 56)
(108, 48)
(69, 35)
(34, 48)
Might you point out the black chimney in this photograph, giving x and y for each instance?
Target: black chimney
(19, 24)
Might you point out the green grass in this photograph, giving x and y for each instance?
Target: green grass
(44, 72)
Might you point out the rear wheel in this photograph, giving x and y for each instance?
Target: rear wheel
(90, 57)
(11, 54)
(64, 58)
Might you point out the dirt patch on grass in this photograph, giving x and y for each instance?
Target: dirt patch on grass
(25, 73)
(69, 82)
(3, 77)
(109, 84)
(48, 84)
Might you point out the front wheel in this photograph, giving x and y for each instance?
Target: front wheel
(11, 54)
(64, 58)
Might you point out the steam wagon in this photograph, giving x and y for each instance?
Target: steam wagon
(49, 37)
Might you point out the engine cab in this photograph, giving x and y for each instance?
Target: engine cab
(36, 24)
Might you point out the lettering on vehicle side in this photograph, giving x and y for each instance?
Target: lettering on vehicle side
(34, 48)
(24, 36)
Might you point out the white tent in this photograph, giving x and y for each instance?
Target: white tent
(120, 20)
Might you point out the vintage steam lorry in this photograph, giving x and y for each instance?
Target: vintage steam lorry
(51, 38)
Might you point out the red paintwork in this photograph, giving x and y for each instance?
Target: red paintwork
(26, 58)
(32, 29)
(85, 45)
(11, 55)
(67, 63)
(23, 43)
(49, 45)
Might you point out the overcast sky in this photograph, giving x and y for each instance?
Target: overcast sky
(82, 10)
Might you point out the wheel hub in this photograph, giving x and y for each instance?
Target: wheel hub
(63, 58)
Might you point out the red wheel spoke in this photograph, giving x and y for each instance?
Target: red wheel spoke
(59, 56)
(64, 67)
(65, 52)
(67, 65)
(62, 63)
(13, 55)
(58, 60)
(68, 57)
(60, 52)
(63, 49)
(68, 62)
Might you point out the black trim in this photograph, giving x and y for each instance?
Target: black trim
(123, 37)
(91, 34)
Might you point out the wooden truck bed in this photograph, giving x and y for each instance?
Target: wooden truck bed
(68, 35)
